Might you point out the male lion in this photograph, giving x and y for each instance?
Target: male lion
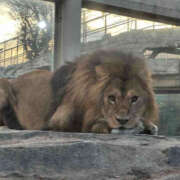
(98, 93)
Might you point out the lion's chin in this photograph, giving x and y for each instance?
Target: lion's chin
(133, 130)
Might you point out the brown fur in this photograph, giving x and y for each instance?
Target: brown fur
(94, 94)
(7, 98)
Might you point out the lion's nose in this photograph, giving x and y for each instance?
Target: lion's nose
(122, 120)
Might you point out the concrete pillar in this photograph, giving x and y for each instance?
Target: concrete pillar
(67, 31)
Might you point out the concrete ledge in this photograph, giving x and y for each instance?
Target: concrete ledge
(35, 155)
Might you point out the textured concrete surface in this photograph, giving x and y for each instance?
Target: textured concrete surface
(134, 41)
(37, 155)
(45, 61)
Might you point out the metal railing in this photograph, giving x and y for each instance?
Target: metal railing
(88, 34)
(12, 55)
(15, 54)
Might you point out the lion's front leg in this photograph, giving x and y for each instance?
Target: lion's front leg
(62, 119)
(94, 124)
(150, 128)
(100, 127)
(149, 125)
(151, 118)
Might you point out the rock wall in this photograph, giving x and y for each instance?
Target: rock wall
(44, 61)
(37, 155)
(134, 41)
(137, 41)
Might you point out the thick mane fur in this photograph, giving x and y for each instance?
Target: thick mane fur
(59, 81)
(85, 84)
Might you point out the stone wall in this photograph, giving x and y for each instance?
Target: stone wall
(36, 155)
(134, 41)
(137, 41)
(44, 61)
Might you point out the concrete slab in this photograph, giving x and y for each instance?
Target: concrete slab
(167, 11)
(47, 155)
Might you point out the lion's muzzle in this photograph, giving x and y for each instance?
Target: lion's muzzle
(122, 119)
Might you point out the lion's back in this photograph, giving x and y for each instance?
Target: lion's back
(33, 94)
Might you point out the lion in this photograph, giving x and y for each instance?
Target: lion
(101, 92)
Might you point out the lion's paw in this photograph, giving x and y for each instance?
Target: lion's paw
(101, 128)
(151, 130)
(154, 130)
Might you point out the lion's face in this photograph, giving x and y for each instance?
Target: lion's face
(124, 103)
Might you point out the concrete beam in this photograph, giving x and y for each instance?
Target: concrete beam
(167, 90)
(67, 31)
(167, 11)
(166, 83)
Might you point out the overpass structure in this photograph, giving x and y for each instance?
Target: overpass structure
(166, 83)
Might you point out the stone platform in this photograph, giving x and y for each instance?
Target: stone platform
(47, 155)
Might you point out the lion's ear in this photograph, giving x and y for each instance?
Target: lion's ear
(100, 71)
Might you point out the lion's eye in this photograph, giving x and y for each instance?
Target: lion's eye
(134, 99)
(112, 99)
